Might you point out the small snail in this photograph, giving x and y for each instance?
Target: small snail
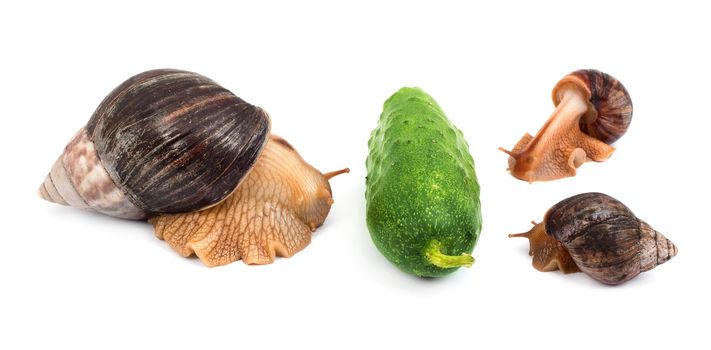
(598, 235)
(178, 149)
(593, 110)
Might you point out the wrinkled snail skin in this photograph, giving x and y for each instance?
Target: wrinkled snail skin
(548, 254)
(598, 235)
(273, 213)
(593, 109)
(164, 141)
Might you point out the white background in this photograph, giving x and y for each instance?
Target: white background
(71, 279)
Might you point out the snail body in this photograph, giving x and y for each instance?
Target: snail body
(171, 142)
(272, 213)
(593, 110)
(598, 235)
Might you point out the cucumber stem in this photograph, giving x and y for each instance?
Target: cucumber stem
(434, 255)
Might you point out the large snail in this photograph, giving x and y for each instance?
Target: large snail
(178, 149)
(598, 235)
(593, 110)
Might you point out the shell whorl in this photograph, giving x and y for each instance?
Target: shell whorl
(612, 105)
(79, 179)
(605, 239)
(173, 141)
(656, 249)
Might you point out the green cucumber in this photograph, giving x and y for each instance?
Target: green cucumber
(422, 194)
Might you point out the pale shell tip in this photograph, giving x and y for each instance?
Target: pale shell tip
(42, 192)
(48, 192)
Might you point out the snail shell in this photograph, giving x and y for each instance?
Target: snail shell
(164, 141)
(611, 112)
(600, 236)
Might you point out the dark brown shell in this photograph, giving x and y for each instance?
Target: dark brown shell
(605, 239)
(612, 107)
(176, 141)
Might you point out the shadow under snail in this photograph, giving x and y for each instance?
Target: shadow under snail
(598, 235)
(593, 110)
(199, 163)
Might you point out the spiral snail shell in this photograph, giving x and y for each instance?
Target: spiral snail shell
(598, 235)
(593, 110)
(167, 144)
(164, 141)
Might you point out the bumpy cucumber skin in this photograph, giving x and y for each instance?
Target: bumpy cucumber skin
(421, 184)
